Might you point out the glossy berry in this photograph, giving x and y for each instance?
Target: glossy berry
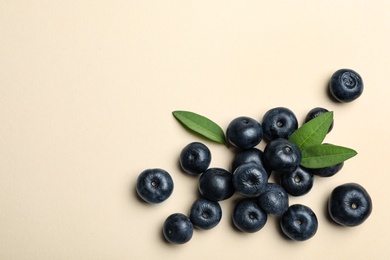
(279, 122)
(274, 199)
(282, 156)
(298, 182)
(250, 179)
(244, 132)
(299, 222)
(313, 113)
(346, 85)
(328, 171)
(248, 216)
(205, 214)
(216, 184)
(349, 204)
(154, 185)
(178, 229)
(195, 158)
(254, 155)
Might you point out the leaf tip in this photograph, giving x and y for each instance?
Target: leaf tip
(176, 113)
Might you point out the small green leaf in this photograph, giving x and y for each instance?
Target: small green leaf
(312, 132)
(201, 125)
(324, 155)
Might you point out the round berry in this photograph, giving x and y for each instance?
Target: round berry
(195, 158)
(274, 199)
(349, 204)
(154, 185)
(346, 85)
(282, 156)
(216, 184)
(178, 229)
(248, 216)
(244, 132)
(299, 222)
(298, 182)
(279, 122)
(205, 214)
(250, 179)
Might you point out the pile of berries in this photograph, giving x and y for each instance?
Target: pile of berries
(249, 177)
(349, 204)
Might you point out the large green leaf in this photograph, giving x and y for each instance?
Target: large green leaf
(324, 155)
(201, 125)
(312, 132)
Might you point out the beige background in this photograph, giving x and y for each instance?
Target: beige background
(86, 94)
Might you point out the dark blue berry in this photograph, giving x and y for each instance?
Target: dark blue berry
(205, 214)
(248, 216)
(274, 199)
(154, 185)
(195, 158)
(244, 132)
(250, 179)
(279, 122)
(349, 204)
(282, 156)
(346, 85)
(178, 229)
(298, 182)
(216, 184)
(299, 222)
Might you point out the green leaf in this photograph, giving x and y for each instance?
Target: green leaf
(312, 132)
(324, 155)
(201, 125)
